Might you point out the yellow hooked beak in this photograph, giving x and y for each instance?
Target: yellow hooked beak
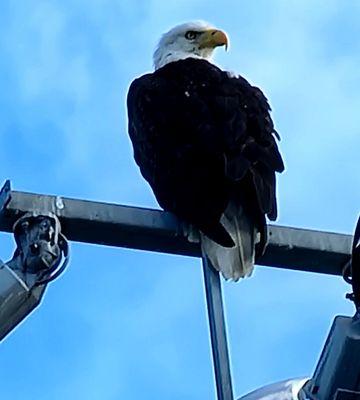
(213, 38)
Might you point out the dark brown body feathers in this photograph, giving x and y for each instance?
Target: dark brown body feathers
(201, 138)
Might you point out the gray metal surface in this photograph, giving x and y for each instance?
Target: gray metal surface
(219, 344)
(347, 395)
(337, 375)
(154, 230)
(17, 298)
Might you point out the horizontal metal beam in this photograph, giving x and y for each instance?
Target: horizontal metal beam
(155, 230)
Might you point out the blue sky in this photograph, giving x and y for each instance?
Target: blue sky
(129, 324)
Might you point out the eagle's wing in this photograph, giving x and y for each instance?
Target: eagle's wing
(144, 128)
(252, 152)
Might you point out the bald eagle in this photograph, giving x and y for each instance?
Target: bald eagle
(204, 140)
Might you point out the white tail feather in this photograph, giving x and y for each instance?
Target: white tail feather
(238, 261)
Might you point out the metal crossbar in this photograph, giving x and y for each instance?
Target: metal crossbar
(155, 230)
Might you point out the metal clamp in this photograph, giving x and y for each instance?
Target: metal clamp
(42, 254)
(42, 250)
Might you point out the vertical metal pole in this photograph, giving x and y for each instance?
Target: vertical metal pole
(219, 344)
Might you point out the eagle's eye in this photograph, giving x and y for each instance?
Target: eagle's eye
(191, 35)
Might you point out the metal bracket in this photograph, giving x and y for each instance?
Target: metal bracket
(41, 256)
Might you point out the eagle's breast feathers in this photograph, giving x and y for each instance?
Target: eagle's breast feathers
(203, 138)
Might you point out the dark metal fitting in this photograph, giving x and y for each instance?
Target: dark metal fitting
(41, 247)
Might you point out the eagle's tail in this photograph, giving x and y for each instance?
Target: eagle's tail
(238, 261)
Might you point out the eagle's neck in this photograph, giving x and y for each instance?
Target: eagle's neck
(166, 56)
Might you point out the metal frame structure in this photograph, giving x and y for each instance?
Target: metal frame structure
(155, 230)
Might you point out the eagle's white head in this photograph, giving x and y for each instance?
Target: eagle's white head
(196, 39)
